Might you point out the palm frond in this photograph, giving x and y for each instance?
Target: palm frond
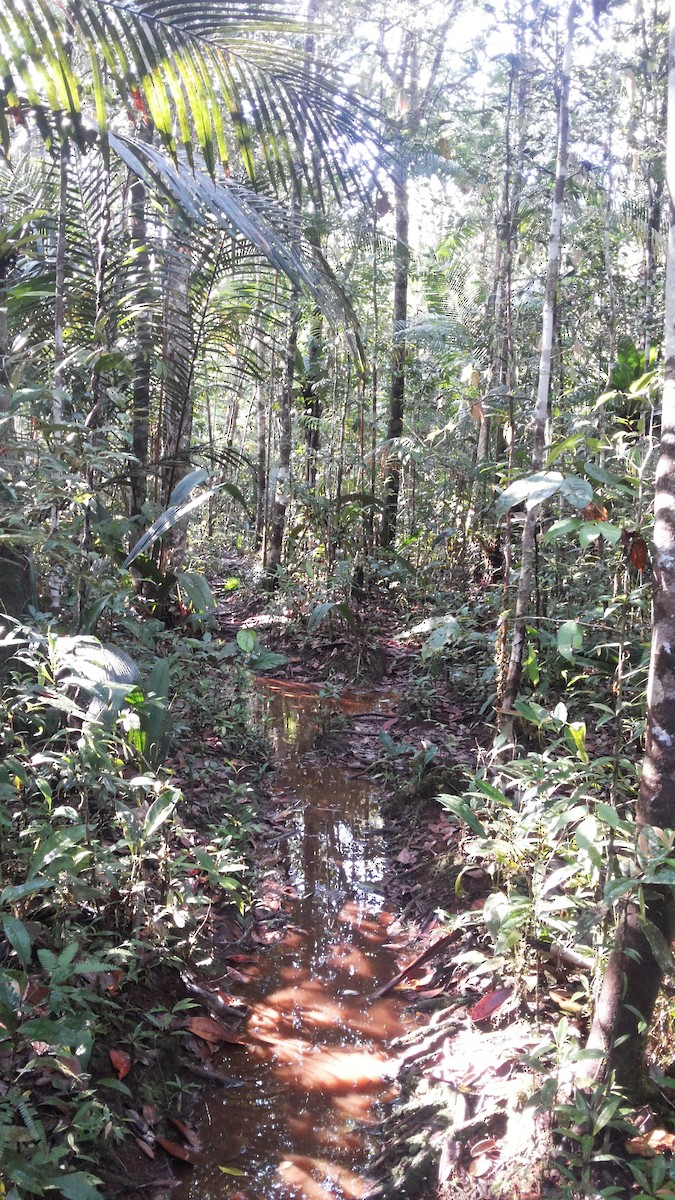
(180, 67)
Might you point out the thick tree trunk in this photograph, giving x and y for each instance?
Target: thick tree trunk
(633, 975)
(512, 682)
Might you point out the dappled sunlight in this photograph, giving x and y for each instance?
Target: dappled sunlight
(315, 1179)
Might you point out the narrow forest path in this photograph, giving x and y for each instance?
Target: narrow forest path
(316, 1060)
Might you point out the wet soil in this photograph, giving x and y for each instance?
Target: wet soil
(308, 1085)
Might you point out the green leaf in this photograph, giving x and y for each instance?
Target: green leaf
(247, 640)
(197, 592)
(77, 1186)
(19, 938)
(321, 611)
(592, 530)
(160, 810)
(569, 639)
(460, 809)
(532, 490)
(19, 891)
(561, 528)
(659, 946)
(577, 491)
(575, 735)
(56, 846)
(164, 523)
(186, 485)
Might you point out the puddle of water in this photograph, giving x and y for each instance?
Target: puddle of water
(316, 1059)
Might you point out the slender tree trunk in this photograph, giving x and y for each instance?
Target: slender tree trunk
(282, 489)
(392, 482)
(60, 284)
(312, 397)
(261, 462)
(142, 351)
(178, 354)
(522, 606)
(634, 974)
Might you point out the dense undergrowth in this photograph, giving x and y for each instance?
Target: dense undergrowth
(125, 817)
(128, 807)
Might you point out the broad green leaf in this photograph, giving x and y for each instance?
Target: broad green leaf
(532, 490)
(19, 891)
(575, 735)
(56, 846)
(163, 524)
(19, 938)
(659, 946)
(569, 639)
(590, 532)
(247, 640)
(197, 592)
(77, 1186)
(186, 485)
(460, 809)
(561, 528)
(494, 793)
(160, 810)
(577, 491)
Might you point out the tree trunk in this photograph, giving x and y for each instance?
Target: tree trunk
(512, 683)
(142, 351)
(633, 976)
(392, 482)
(178, 359)
(283, 481)
(261, 462)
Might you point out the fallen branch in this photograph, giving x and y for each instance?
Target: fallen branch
(430, 952)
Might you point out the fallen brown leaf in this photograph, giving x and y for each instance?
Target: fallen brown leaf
(175, 1151)
(188, 1133)
(212, 1031)
(121, 1061)
(490, 1003)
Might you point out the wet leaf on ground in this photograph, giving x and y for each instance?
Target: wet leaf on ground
(490, 1003)
(212, 1031)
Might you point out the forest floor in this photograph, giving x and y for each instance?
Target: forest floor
(477, 1107)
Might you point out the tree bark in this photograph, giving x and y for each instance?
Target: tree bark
(634, 974)
(142, 351)
(540, 421)
(392, 481)
(283, 480)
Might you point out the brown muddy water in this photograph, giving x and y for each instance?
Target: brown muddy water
(317, 1061)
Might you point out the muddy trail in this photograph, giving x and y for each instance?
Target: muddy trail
(308, 1084)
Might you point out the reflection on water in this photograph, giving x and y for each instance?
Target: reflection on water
(316, 1057)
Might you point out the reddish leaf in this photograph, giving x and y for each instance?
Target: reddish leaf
(594, 512)
(144, 1147)
(175, 1150)
(189, 1134)
(149, 1113)
(121, 1061)
(639, 554)
(212, 1031)
(490, 1003)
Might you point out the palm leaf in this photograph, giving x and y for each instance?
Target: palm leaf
(177, 65)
